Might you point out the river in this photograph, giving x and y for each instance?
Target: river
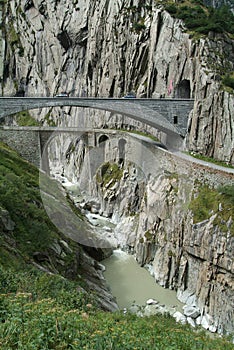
(131, 283)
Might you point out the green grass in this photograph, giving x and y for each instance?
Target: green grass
(33, 230)
(210, 160)
(205, 203)
(39, 311)
(25, 119)
(20, 196)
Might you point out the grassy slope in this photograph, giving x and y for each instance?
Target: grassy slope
(206, 201)
(43, 311)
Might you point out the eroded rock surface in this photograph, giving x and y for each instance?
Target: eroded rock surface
(148, 198)
(108, 48)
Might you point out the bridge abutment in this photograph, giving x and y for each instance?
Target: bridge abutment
(24, 141)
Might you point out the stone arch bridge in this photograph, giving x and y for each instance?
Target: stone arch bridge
(32, 142)
(167, 115)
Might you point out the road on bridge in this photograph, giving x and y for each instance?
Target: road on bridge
(167, 115)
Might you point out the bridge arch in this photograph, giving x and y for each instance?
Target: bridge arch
(102, 139)
(157, 113)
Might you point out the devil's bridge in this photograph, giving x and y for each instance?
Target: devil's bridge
(167, 115)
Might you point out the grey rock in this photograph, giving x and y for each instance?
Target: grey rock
(5, 219)
(134, 309)
(179, 317)
(151, 302)
(191, 322)
(191, 311)
(151, 310)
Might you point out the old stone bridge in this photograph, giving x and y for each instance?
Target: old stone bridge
(167, 115)
(33, 143)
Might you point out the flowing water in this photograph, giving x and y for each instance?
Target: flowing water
(131, 283)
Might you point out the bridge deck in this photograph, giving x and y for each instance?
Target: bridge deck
(167, 115)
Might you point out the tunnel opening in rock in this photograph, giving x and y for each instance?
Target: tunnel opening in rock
(183, 89)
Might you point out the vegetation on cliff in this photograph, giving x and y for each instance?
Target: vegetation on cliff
(196, 15)
(207, 202)
(200, 18)
(24, 118)
(108, 174)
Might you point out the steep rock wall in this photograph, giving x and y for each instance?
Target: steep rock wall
(147, 193)
(103, 48)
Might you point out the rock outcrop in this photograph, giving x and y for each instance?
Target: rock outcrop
(148, 197)
(103, 48)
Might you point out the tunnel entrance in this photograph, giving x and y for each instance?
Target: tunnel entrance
(183, 89)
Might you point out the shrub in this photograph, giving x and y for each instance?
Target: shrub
(138, 26)
(201, 19)
(228, 81)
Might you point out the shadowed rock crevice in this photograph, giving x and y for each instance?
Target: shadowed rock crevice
(64, 40)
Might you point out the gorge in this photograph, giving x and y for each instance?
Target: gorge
(147, 192)
(174, 215)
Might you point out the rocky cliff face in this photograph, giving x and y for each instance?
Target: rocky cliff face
(106, 48)
(218, 3)
(148, 194)
(103, 48)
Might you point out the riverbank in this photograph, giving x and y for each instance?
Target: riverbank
(130, 283)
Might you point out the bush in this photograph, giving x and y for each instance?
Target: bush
(201, 19)
(228, 81)
(138, 26)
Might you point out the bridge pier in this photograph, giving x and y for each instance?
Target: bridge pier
(32, 142)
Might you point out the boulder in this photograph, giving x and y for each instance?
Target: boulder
(191, 311)
(191, 322)
(179, 317)
(151, 310)
(151, 302)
